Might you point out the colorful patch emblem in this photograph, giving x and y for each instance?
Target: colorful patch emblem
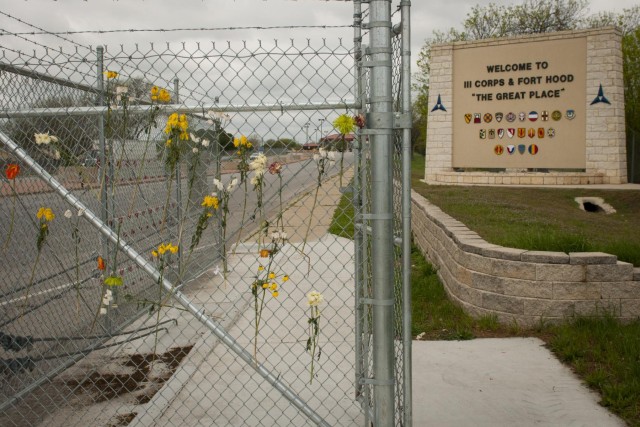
(511, 117)
(522, 116)
(500, 133)
(498, 149)
(531, 132)
(556, 115)
(544, 116)
(533, 116)
(499, 117)
(522, 132)
(477, 118)
(492, 134)
(551, 132)
(511, 132)
(540, 132)
(511, 149)
(483, 134)
(522, 148)
(467, 118)
(533, 149)
(488, 117)
(571, 114)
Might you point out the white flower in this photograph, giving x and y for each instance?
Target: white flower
(121, 89)
(53, 138)
(103, 310)
(205, 142)
(216, 270)
(232, 185)
(43, 138)
(259, 164)
(218, 184)
(332, 155)
(195, 150)
(56, 155)
(314, 298)
(323, 153)
(194, 138)
(80, 212)
(316, 157)
(67, 213)
(255, 180)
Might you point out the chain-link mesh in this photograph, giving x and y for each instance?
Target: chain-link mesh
(219, 168)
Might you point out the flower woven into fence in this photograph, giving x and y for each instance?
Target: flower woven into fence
(314, 299)
(11, 172)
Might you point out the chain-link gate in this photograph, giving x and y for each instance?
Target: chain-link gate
(167, 257)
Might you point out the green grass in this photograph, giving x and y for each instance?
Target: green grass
(342, 221)
(539, 218)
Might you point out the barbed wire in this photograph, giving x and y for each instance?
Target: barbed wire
(170, 30)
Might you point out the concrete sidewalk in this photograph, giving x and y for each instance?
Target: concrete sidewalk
(483, 382)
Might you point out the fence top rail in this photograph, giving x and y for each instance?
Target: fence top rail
(174, 108)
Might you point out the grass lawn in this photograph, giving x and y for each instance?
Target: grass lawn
(603, 352)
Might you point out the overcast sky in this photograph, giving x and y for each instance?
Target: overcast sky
(74, 15)
(77, 15)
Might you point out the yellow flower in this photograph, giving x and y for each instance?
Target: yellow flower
(210, 202)
(273, 286)
(272, 275)
(155, 254)
(265, 285)
(275, 294)
(184, 136)
(111, 74)
(249, 145)
(345, 124)
(168, 142)
(155, 91)
(162, 249)
(264, 253)
(164, 95)
(285, 278)
(236, 142)
(260, 268)
(45, 213)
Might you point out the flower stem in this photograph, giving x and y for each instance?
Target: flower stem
(33, 272)
(13, 214)
(244, 212)
(313, 208)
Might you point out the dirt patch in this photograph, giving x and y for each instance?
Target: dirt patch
(123, 420)
(137, 372)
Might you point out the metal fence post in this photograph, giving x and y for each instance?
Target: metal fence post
(381, 122)
(407, 415)
(176, 97)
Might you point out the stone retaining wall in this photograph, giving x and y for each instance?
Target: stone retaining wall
(519, 285)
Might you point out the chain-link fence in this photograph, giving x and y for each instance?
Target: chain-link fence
(166, 250)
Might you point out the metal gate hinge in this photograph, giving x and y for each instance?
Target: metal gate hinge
(376, 63)
(381, 302)
(374, 24)
(372, 381)
(388, 121)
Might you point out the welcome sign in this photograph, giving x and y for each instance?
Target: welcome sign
(520, 105)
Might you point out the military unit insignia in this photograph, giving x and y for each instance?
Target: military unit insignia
(522, 116)
(467, 118)
(500, 133)
(533, 116)
(522, 132)
(540, 132)
(511, 117)
(600, 98)
(477, 118)
(492, 134)
(544, 116)
(483, 134)
(498, 149)
(571, 114)
(511, 149)
(522, 148)
(499, 117)
(556, 115)
(531, 132)
(551, 132)
(533, 149)
(511, 132)
(488, 117)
